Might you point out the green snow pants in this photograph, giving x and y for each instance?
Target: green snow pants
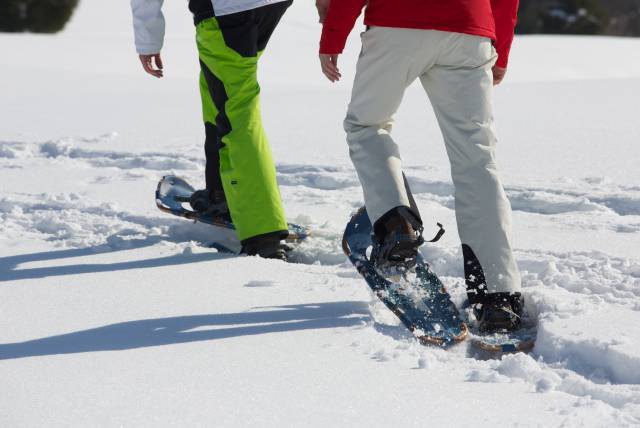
(239, 160)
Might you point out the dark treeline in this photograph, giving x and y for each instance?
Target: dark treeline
(36, 16)
(611, 17)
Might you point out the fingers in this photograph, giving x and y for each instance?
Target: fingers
(158, 61)
(498, 74)
(329, 64)
(497, 78)
(147, 62)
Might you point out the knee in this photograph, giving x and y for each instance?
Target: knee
(476, 172)
(476, 154)
(358, 129)
(352, 124)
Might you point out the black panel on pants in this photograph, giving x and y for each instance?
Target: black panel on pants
(215, 132)
(249, 32)
(201, 9)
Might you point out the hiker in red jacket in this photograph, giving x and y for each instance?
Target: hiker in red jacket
(458, 49)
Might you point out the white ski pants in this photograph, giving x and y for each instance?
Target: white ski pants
(455, 71)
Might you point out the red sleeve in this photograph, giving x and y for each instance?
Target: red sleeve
(505, 14)
(340, 19)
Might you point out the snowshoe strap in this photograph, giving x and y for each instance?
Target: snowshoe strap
(439, 234)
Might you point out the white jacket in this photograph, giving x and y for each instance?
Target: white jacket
(148, 21)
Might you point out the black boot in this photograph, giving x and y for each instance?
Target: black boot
(499, 311)
(267, 246)
(210, 202)
(397, 236)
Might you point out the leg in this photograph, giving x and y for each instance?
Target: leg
(460, 88)
(385, 69)
(228, 49)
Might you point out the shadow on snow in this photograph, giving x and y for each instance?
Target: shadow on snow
(8, 265)
(196, 328)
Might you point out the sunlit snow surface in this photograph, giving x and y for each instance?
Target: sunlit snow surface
(115, 314)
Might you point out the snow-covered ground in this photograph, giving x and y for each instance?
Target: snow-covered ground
(114, 314)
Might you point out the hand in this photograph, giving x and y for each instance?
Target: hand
(329, 64)
(498, 74)
(323, 7)
(148, 64)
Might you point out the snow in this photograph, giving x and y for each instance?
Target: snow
(115, 314)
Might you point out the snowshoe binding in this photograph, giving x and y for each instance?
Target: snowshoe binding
(210, 202)
(502, 324)
(396, 239)
(499, 312)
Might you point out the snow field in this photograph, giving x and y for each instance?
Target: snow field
(115, 314)
(567, 290)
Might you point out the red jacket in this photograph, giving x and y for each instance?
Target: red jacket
(494, 19)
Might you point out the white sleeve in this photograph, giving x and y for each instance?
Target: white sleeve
(148, 25)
